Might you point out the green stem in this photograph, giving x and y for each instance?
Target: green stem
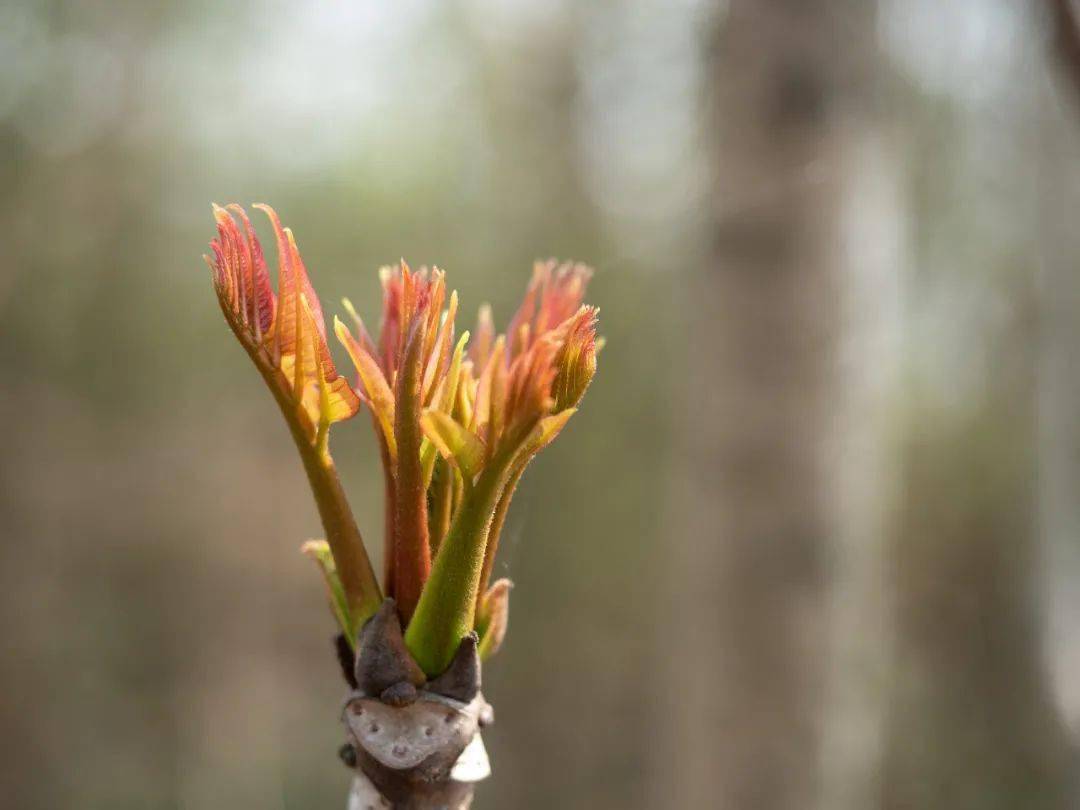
(342, 534)
(350, 556)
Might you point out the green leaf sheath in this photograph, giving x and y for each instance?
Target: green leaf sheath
(447, 607)
(441, 493)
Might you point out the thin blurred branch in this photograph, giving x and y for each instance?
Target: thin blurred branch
(1066, 33)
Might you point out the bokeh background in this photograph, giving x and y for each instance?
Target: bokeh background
(812, 542)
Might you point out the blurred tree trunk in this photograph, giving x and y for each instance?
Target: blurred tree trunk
(755, 504)
(973, 724)
(973, 719)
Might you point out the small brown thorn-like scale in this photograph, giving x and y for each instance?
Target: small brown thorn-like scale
(347, 754)
(399, 694)
(382, 660)
(461, 681)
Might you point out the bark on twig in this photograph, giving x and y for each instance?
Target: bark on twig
(413, 745)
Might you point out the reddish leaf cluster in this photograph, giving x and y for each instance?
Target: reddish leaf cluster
(456, 423)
